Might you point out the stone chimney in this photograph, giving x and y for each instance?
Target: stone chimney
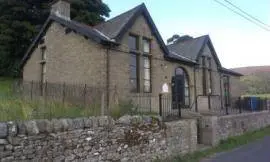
(61, 8)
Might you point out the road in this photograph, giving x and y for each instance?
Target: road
(258, 151)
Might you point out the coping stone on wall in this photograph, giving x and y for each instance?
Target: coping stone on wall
(12, 128)
(31, 127)
(3, 130)
(44, 126)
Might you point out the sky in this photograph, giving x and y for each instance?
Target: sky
(238, 42)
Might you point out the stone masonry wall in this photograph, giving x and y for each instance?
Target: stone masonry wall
(214, 129)
(96, 139)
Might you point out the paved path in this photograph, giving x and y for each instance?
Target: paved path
(254, 152)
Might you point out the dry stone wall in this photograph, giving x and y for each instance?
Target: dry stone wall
(131, 138)
(213, 128)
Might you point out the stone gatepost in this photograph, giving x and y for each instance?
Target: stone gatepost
(208, 130)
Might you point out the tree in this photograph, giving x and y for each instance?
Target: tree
(20, 21)
(257, 83)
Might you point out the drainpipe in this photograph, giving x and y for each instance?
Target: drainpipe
(221, 93)
(195, 89)
(108, 78)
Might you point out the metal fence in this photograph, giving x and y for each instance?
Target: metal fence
(238, 105)
(174, 107)
(60, 100)
(53, 100)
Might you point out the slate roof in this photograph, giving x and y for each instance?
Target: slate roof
(188, 48)
(116, 27)
(111, 31)
(113, 27)
(231, 72)
(176, 56)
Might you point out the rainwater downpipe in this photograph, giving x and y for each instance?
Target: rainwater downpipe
(195, 88)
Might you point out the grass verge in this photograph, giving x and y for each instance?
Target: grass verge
(225, 145)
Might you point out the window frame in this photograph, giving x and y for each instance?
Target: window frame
(204, 80)
(150, 45)
(43, 64)
(134, 52)
(137, 37)
(147, 55)
(228, 97)
(209, 60)
(150, 73)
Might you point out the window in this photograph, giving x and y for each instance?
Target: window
(207, 81)
(147, 75)
(43, 63)
(146, 46)
(134, 63)
(226, 85)
(140, 60)
(134, 73)
(210, 87)
(133, 43)
(186, 91)
(147, 65)
(204, 82)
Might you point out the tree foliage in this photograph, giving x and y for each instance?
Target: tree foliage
(20, 21)
(257, 83)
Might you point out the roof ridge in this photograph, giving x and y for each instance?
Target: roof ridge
(189, 40)
(134, 8)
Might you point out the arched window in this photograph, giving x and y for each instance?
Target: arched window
(181, 86)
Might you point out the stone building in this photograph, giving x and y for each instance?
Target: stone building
(127, 54)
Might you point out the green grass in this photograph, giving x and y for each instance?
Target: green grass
(13, 107)
(224, 145)
(5, 85)
(16, 107)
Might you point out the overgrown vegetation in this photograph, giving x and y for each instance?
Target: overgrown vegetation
(18, 107)
(224, 145)
(126, 107)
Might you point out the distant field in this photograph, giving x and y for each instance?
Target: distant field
(252, 69)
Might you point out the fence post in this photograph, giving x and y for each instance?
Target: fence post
(84, 95)
(31, 93)
(240, 105)
(179, 106)
(226, 107)
(45, 99)
(64, 93)
(102, 104)
(160, 104)
(265, 104)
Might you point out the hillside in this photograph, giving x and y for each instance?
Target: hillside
(249, 70)
(256, 79)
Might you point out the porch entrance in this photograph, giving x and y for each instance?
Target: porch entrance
(179, 82)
